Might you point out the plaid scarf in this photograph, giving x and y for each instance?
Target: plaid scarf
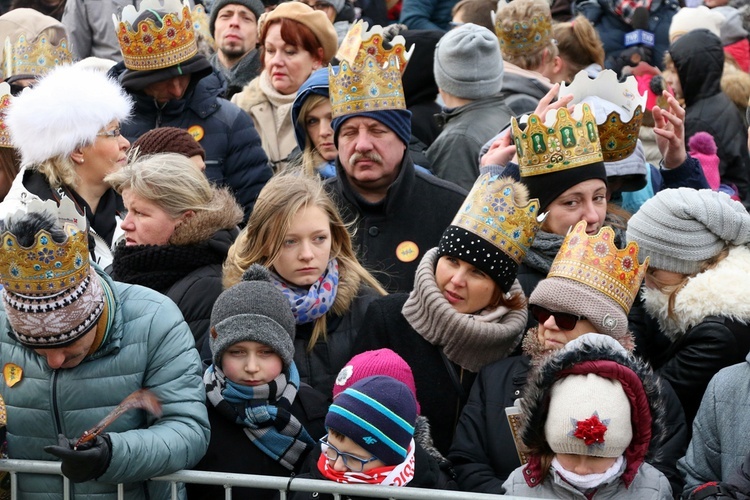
(265, 413)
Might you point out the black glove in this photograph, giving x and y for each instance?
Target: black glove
(88, 462)
(713, 491)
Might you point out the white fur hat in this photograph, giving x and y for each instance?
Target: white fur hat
(63, 111)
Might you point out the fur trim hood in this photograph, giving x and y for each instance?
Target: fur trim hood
(227, 214)
(720, 291)
(65, 110)
(602, 355)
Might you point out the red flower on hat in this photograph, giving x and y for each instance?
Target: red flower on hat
(591, 430)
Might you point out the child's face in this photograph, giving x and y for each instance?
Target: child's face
(673, 80)
(345, 445)
(251, 363)
(584, 465)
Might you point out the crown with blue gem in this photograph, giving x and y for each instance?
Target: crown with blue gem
(5, 99)
(34, 59)
(369, 76)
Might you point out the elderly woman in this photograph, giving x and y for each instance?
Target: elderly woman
(178, 230)
(67, 130)
(295, 40)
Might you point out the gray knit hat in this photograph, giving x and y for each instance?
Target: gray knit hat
(468, 62)
(253, 310)
(255, 6)
(681, 228)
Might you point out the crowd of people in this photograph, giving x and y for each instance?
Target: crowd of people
(493, 248)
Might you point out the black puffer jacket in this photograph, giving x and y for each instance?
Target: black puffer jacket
(699, 59)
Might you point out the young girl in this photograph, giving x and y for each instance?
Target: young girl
(311, 115)
(297, 233)
(263, 420)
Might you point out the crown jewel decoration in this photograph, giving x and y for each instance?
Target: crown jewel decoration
(523, 37)
(596, 262)
(491, 213)
(201, 24)
(5, 99)
(34, 59)
(568, 142)
(618, 133)
(47, 267)
(148, 46)
(369, 76)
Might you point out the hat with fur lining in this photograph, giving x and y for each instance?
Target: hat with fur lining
(65, 110)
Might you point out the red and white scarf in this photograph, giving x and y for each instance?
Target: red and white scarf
(389, 475)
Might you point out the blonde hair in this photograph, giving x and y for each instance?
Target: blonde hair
(59, 171)
(311, 158)
(260, 242)
(522, 10)
(579, 44)
(168, 179)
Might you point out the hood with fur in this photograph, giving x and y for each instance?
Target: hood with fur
(227, 214)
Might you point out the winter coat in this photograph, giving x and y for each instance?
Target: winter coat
(711, 330)
(699, 60)
(427, 474)
(454, 156)
(420, 87)
(234, 157)
(188, 269)
(89, 28)
(416, 210)
(484, 453)
(243, 72)
(231, 451)
(523, 89)
(720, 432)
(427, 14)
(148, 345)
(320, 366)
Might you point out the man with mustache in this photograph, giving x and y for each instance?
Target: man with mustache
(398, 213)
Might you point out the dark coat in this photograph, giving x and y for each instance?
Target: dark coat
(230, 450)
(417, 208)
(484, 453)
(386, 327)
(234, 157)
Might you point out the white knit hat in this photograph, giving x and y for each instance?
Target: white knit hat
(65, 110)
(694, 18)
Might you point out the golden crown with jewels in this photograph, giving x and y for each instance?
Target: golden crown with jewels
(618, 132)
(570, 141)
(201, 24)
(34, 59)
(369, 76)
(490, 212)
(5, 99)
(46, 267)
(523, 37)
(147, 46)
(595, 261)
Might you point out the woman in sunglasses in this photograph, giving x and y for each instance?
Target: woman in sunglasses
(590, 288)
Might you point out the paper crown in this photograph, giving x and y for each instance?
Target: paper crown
(596, 262)
(523, 37)
(34, 59)
(618, 132)
(548, 146)
(369, 76)
(201, 24)
(5, 98)
(46, 267)
(147, 46)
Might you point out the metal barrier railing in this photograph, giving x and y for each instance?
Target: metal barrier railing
(229, 481)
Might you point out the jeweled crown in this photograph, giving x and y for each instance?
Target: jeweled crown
(618, 133)
(595, 261)
(5, 98)
(523, 37)
(201, 24)
(570, 141)
(46, 267)
(490, 212)
(369, 76)
(34, 59)
(148, 46)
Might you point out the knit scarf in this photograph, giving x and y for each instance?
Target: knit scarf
(543, 250)
(309, 304)
(389, 475)
(265, 413)
(465, 340)
(282, 107)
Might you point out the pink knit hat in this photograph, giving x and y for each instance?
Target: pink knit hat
(703, 148)
(370, 363)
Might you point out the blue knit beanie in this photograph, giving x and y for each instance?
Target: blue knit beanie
(398, 120)
(377, 413)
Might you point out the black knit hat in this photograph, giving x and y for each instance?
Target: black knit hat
(168, 140)
(255, 6)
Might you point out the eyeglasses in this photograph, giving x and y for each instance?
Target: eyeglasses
(320, 5)
(354, 464)
(115, 132)
(564, 321)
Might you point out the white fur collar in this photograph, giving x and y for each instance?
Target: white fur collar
(721, 291)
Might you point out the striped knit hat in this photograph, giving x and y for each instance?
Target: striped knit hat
(377, 413)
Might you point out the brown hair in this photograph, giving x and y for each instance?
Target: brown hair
(674, 290)
(10, 162)
(294, 33)
(478, 12)
(579, 44)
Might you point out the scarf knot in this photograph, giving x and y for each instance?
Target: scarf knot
(309, 304)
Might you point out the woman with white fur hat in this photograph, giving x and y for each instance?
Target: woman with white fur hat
(67, 130)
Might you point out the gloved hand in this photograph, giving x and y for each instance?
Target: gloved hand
(88, 462)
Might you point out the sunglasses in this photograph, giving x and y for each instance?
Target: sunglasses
(564, 321)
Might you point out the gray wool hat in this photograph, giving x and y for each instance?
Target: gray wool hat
(253, 310)
(468, 62)
(681, 228)
(255, 6)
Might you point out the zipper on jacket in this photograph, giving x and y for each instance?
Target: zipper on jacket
(55, 409)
